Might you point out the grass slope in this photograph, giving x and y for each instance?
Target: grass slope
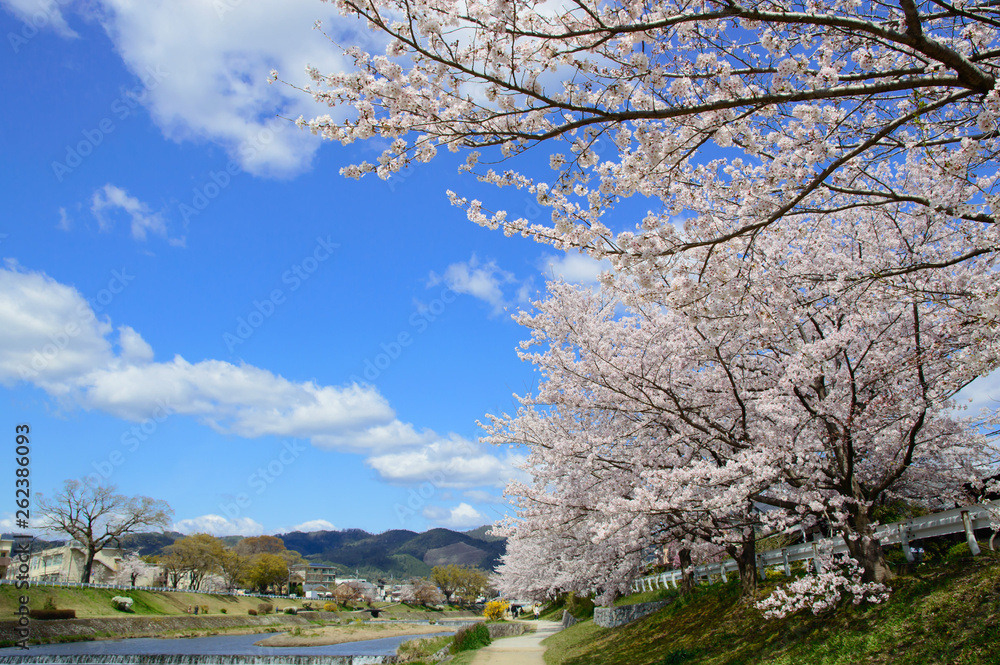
(947, 614)
(90, 603)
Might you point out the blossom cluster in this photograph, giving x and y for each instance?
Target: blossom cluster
(822, 592)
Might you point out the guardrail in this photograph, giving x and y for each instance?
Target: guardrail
(126, 587)
(957, 520)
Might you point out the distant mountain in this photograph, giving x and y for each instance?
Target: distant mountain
(483, 533)
(396, 553)
(149, 543)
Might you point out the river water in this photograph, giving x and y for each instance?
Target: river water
(214, 645)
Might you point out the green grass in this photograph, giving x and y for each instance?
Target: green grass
(648, 596)
(464, 658)
(944, 614)
(422, 648)
(90, 603)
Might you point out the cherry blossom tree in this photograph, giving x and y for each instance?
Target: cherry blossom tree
(774, 378)
(730, 115)
(813, 281)
(132, 567)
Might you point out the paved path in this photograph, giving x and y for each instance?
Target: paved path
(521, 650)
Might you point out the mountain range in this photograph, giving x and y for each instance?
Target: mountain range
(391, 554)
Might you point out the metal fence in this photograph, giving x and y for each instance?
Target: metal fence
(957, 520)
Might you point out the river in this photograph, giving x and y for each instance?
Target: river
(209, 646)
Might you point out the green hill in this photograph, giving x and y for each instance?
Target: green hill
(396, 553)
(948, 613)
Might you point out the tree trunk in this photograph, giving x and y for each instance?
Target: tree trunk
(865, 548)
(88, 566)
(746, 560)
(687, 571)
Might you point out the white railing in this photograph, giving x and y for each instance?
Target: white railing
(956, 520)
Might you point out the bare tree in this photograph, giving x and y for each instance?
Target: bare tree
(97, 517)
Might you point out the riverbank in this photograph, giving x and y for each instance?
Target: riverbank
(95, 603)
(351, 633)
(72, 630)
(945, 614)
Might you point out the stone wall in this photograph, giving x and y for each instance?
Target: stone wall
(143, 626)
(505, 629)
(568, 619)
(612, 617)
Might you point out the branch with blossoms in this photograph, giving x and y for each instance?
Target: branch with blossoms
(732, 115)
(839, 582)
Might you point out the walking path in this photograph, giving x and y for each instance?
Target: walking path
(524, 649)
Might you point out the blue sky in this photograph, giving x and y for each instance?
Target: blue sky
(197, 307)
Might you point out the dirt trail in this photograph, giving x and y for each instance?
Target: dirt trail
(521, 650)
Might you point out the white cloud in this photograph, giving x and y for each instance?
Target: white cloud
(8, 524)
(217, 525)
(480, 496)
(51, 338)
(450, 462)
(574, 268)
(217, 56)
(134, 349)
(41, 14)
(480, 280)
(388, 436)
(314, 525)
(462, 516)
(65, 223)
(109, 200)
(48, 332)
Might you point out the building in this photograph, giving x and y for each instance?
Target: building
(65, 564)
(6, 570)
(317, 578)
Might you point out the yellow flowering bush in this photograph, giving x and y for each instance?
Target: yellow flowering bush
(495, 610)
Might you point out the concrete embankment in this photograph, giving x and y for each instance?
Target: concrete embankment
(142, 626)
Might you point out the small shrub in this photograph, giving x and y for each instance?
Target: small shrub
(471, 637)
(264, 608)
(252, 613)
(329, 607)
(960, 551)
(46, 615)
(50, 604)
(495, 610)
(290, 610)
(222, 610)
(122, 603)
(204, 609)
